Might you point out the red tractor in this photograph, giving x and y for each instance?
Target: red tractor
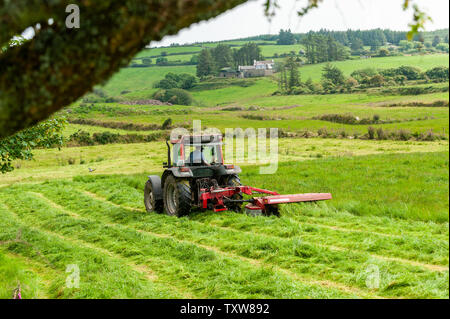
(196, 177)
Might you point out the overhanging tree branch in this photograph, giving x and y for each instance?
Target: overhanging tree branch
(59, 65)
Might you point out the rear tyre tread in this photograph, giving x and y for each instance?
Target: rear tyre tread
(182, 196)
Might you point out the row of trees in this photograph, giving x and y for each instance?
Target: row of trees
(286, 37)
(320, 48)
(289, 76)
(374, 37)
(333, 79)
(211, 60)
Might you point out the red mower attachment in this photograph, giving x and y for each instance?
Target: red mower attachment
(218, 197)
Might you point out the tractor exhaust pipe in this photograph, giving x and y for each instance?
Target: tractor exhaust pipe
(169, 161)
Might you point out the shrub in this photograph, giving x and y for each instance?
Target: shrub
(162, 61)
(410, 72)
(439, 73)
(333, 74)
(442, 47)
(400, 79)
(383, 52)
(82, 138)
(351, 82)
(328, 86)
(167, 123)
(99, 92)
(159, 95)
(111, 100)
(323, 132)
(166, 84)
(403, 134)
(376, 80)
(371, 132)
(380, 134)
(376, 118)
(300, 90)
(180, 81)
(174, 96)
(187, 81)
(105, 137)
(317, 88)
(338, 118)
(361, 74)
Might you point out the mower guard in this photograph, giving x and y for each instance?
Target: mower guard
(221, 196)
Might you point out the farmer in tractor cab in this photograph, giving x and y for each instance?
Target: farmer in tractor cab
(197, 157)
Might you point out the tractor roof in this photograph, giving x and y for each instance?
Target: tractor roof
(199, 139)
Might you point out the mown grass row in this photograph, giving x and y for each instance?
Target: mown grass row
(402, 186)
(202, 272)
(18, 272)
(296, 254)
(423, 246)
(101, 275)
(127, 191)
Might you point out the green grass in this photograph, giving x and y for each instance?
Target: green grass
(142, 157)
(73, 128)
(423, 62)
(17, 271)
(389, 208)
(141, 78)
(291, 113)
(384, 219)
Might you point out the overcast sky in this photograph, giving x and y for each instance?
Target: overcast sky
(249, 20)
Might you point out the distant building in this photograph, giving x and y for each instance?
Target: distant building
(229, 73)
(259, 68)
(265, 65)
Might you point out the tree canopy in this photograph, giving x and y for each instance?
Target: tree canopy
(59, 65)
(19, 146)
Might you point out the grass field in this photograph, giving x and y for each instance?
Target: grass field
(290, 113)
(313, 251)
(141, 78)
(385, 233)
(423, 62)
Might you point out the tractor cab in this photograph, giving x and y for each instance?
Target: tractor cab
(200, 150)
(197, 156)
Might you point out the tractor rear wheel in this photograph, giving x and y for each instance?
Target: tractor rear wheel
(233, 180)
(151, 203)
(177, 196)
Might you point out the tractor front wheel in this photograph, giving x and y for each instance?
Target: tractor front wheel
(177, 196)
(151, 203)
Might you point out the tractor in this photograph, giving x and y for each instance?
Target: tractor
(195, 177)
